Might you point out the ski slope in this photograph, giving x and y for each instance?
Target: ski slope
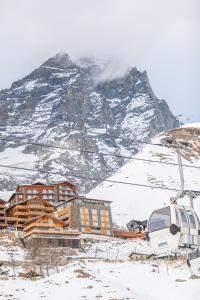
(133, 202)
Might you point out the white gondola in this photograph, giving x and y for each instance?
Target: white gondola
(172, 228)
(176, 228)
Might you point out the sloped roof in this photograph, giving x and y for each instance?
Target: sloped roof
(44, 215)
(82, 198)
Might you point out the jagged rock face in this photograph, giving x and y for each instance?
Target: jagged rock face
(61, 99)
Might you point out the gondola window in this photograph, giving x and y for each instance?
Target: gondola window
(183, 218)
(160, 219)
(192, 219)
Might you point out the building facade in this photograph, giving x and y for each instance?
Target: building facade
(19, 213)
(86, 214)
(3, 221)
(47, 231)
(53, 193)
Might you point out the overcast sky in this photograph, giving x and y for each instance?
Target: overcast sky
(160, 36)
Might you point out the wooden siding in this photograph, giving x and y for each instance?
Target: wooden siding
(55, 193)
(87, 215)
(25, 211)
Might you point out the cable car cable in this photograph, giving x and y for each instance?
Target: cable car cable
(90, 178)
(92, 152)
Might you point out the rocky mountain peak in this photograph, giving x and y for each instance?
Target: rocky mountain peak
(62, 103)
(60, 60)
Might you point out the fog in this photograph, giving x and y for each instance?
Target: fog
(159, 36)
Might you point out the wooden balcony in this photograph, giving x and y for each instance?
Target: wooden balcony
(11, 218)
(20, 213)
(35, 213)
(49, 209)
(37, 207)
(19, 226)
(20, 207)
(39, 225)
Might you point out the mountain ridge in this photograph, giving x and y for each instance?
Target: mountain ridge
(60, 94)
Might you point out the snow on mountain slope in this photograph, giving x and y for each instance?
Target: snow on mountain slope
(58, 102)
(131, 201)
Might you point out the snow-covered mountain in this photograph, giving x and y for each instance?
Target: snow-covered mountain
(133, 202)
(61, 99)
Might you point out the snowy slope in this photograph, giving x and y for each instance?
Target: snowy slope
(138, 202)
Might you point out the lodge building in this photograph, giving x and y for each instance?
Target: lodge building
(48, 231)
(86, 214)
(53, 193)
(20, 213)
(59, 207)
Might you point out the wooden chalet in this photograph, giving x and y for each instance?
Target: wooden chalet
(48, 231)
(53, 193)
(86, 214)
(18, 214)
(3, 221)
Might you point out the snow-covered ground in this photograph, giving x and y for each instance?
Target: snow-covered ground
(86, 279)
(101, 270)
(133, 202)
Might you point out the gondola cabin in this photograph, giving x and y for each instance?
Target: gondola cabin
(173, 227)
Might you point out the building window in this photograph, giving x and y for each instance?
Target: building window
(104, 212)
(94, 224)
(84, 216)
(94, 211)
(85, 222)
(94, 217)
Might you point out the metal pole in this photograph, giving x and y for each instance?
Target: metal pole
(180, 167)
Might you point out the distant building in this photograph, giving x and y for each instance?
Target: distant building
(19, 213)
(86, 214)
(47, 231)
(129, 235)
(53, 193)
